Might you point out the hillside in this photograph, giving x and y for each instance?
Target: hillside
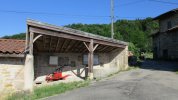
(16, 36)
(134, 31)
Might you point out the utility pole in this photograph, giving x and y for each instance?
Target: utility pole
(112, 19)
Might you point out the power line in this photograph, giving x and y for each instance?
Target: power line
(66, 15)
(173, 3)
(47, 13)
(57, 14)
(130, 3)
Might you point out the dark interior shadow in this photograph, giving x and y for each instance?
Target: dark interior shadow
(159, 65)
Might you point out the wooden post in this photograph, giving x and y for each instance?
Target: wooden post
(27, 40)
(90, 58)
(91, 49)
(31, 43)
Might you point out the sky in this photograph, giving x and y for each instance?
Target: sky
(14, 13)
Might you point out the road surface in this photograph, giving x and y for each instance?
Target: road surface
(153, 81)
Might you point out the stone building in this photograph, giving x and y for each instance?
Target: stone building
(165, 41)
(48, 47)
(12, 61)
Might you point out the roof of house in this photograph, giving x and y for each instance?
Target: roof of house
(12, 46)
(167, 14)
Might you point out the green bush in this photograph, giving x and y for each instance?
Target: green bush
(176, 72)
(133, 49)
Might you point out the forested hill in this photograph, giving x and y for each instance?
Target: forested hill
(134, 31)
(15, 36)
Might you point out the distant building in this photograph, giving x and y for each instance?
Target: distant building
(165, 41)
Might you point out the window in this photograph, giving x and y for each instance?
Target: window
(95, 59)
(169, 24)
(165, 53)
(53, 60)
(63, 61)
(85, 59)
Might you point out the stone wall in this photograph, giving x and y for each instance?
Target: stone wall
(166, 41)
(118, 60)
(11, 78)
(163, 22)
(108, 62)
(12, 60)
(42, 66)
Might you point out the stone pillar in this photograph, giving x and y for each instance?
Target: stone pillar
(126, 58)
(29, 73)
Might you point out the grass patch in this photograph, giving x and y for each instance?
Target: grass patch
(113, 74)
(176, 72)
(46, 91)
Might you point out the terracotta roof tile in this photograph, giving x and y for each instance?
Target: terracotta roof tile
(12, 46)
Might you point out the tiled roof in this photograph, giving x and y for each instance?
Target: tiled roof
(12, 46)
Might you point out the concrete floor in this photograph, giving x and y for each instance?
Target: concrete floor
(154, 81)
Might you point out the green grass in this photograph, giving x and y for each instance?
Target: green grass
(176, 72)
(47, 91)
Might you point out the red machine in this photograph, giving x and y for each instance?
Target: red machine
(56, 75)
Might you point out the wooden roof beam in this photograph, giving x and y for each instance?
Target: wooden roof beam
(74, 37)
(110, 49)
(70, 45)
(67, 46)
(103, 48)
(44, 41)
(50, 43)
(57, 44)
(75, 45)
(60, 50)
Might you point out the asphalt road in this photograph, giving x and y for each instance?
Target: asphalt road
(154, 81)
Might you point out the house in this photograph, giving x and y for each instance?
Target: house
(48, 47)
(165, 41)
(12, 61)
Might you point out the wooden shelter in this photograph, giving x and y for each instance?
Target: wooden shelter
(42, 38)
